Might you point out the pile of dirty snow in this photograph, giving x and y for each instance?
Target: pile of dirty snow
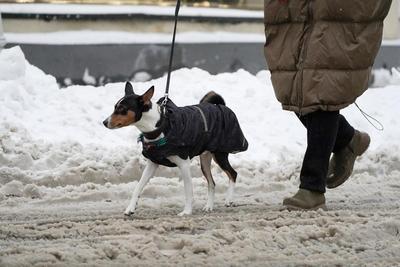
(65, 180)
(53, 137)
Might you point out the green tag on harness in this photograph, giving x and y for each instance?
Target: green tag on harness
(160, 142)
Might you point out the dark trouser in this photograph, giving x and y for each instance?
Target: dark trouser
(327, 132)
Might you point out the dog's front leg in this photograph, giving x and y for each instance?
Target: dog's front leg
(148, 172)
(184, 166)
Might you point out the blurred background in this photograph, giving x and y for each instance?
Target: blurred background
(98, 41)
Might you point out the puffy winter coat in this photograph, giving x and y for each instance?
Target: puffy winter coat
(320, 52)
(191, 130)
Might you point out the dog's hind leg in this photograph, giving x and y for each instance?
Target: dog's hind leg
(222, 160)
(205, 162)
(184, 166)
(148, 172)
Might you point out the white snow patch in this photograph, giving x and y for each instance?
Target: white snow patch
(385, 77)
(73, 178)
(87, 78)
(12, 65)
(32, 191)
(127, 9)
(113, 37)
(387, 42)
(13, 188)
(51, 136)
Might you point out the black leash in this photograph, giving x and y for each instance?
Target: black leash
(164, 103)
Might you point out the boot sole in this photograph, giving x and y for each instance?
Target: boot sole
(295, 208)
(338, 183)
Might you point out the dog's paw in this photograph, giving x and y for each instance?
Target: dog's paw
(229, 204)
(185, 212)
(129, 212)
(208, 208)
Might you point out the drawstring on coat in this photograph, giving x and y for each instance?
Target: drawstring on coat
(377, 125)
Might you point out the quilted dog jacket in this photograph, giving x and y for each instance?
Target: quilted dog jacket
(191, 130)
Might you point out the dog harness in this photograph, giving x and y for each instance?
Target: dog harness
(191, 130)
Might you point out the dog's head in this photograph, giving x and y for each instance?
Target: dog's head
(129, 109)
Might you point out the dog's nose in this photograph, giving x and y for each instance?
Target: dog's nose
(105, 122)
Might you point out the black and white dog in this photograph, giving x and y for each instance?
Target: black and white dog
(173, 136)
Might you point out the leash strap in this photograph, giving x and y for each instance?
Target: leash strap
(164, 103)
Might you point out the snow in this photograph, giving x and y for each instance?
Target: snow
(127, 9)
(395, 42)
(112, 37)
(87, 78)
(120, 37)
(385, 77)
(65, 180)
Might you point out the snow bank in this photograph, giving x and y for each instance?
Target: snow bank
(385, 77)
(113, 37)
(127, 9)
(65, 180)
(51, 136)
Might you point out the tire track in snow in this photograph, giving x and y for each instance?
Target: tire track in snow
(263, 234)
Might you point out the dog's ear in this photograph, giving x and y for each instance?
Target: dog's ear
(128, 89)
(146, 97)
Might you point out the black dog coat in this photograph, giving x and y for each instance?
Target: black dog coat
(191, 130)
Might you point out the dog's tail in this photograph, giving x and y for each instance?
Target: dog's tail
(213, 98)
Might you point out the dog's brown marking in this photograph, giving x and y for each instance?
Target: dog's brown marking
(205, 163)
(221, 159)
(118, 120)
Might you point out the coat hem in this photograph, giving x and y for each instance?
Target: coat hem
(309, 109)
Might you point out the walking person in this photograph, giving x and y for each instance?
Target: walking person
(320, 54)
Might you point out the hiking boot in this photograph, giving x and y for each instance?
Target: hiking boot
(305, 200)
(342, 162)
